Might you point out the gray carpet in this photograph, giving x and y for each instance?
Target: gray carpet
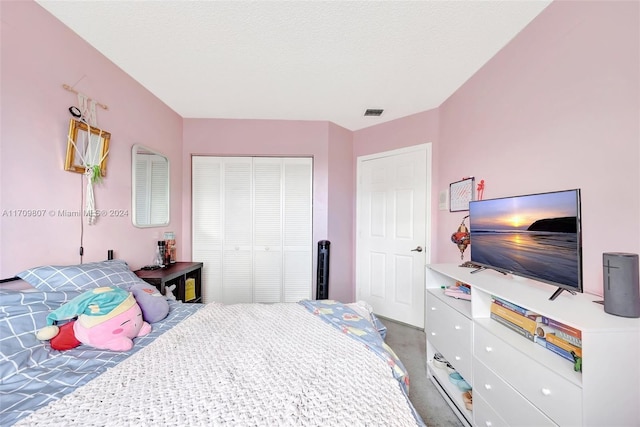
(409, 344)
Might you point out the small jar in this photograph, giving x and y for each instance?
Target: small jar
(160, 254)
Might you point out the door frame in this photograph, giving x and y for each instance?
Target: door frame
(426, 149)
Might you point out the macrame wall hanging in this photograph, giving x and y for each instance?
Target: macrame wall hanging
(88, 147)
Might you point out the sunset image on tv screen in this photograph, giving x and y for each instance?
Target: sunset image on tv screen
(536, 236)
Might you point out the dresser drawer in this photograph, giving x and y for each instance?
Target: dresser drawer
(554, 395)
(484, 415)
(512, 407)
(450, 333)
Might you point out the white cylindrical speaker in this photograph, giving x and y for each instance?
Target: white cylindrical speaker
(621, 286)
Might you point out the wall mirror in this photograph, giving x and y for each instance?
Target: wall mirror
(149, 187)
(86, 146)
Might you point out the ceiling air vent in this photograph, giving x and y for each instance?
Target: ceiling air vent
(373, 112)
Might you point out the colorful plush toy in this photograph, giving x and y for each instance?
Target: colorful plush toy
(108, 318)
(153, 304)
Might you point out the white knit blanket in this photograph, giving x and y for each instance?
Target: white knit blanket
(240, 365)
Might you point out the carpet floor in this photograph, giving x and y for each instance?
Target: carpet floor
(410, 346)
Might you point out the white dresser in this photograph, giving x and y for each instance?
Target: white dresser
(517, 382)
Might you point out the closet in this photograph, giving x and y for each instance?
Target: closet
(252, 227)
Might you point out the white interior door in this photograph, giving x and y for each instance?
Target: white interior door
(393, 228)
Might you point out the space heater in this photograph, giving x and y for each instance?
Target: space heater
(322, 283)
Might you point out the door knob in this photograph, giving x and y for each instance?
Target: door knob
(418, 249)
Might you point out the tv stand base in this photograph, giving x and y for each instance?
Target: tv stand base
(559, 291)
(478, 270)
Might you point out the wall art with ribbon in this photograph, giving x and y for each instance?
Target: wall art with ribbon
(87, 148)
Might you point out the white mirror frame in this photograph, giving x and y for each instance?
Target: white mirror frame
(149, 187)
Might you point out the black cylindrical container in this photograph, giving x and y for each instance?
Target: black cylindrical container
(163, 253)
(322, 283)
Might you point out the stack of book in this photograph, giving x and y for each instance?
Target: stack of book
(514, 317)
(553, 335)
(560, 338)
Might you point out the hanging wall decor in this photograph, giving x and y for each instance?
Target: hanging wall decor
(87, 149)
(462, 237)
(460, 194)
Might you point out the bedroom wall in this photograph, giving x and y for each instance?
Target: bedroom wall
(557, 108)
(38, 55)
(323, 141)
(340, 213)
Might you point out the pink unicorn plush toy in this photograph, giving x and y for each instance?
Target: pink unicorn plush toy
(108, 318)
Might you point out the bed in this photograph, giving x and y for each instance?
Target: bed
(306, 363)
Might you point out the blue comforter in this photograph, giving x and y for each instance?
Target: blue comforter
(367, 331)
(32, 374)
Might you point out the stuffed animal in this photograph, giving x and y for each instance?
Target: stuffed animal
(108, 318)
(153, 304)
(66, 339)
(168, 293)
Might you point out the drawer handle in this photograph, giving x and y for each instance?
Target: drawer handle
(488, 349)
(546, 391)
(457, 327)
(487, 386)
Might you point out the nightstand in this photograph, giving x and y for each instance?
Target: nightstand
(187, 276)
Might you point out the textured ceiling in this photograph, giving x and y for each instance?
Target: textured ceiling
(298, 60)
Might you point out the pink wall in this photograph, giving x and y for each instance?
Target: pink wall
(39, 54)
(340, 214)
(557, 108)
(323, 141)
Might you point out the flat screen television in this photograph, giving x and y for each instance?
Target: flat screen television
(537, 236)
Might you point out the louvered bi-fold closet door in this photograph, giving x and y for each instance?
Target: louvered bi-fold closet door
(206, 222)
(297, 229)
(252, 228)
(237, 258)
(267, 220)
